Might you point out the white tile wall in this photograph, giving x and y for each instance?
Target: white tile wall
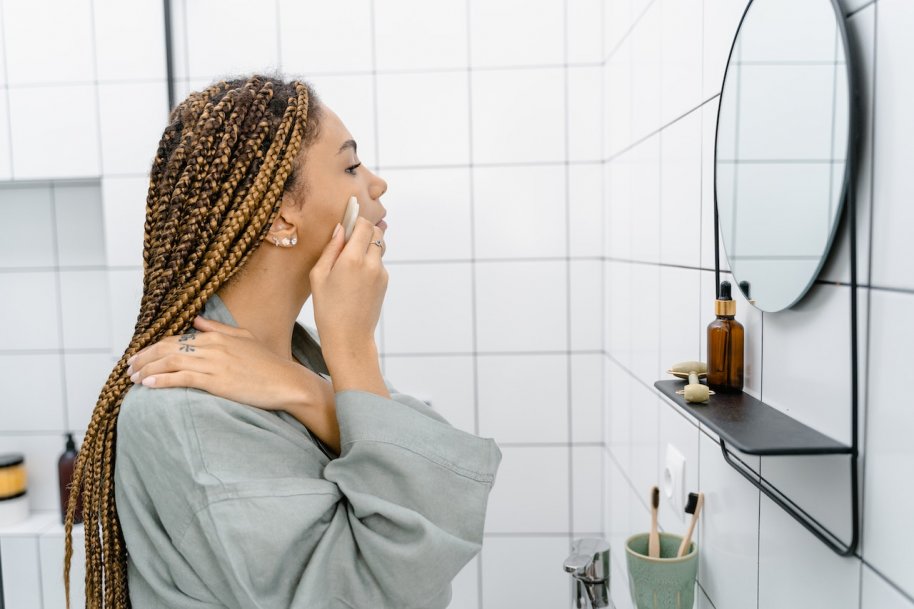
(753, 553)
(566, 156)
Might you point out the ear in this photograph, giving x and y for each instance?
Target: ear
(283, 231)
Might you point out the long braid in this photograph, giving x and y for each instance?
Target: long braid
(215, 187)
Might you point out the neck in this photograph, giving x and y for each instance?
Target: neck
(266, 296)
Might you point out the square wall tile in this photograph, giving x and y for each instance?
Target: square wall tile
(678, 431)
(721, 20)
(531, 495)
(436, 108)
(680, 55)
(586, 209)
(21, 577)
(892, 217)
(586, 317)
(23, 209)
(617, 100)
(518, 115)
(84, 306)
(618, 415)
(681, 324)
(587, 397)
(534, 560)
(536, 40)
(308, 29)
(889, 454)
(226, 38)
(728, 528)
(125, 289)
(709, 189)
(619, 208)
(646, 73)
(587, 480)
(523, 398)
(619, 312)
(645, 201)
(6, 160)
(30, 318)
(129, 39)
(86, 375)
(428, 309)
(520, 212)
(124, 213)
(80, 224)
(52, 546)
(33, 396)
(807, 360)
(465, 587)
(50, 43)
(422, 205)
(131, 131)
(861, 30)
(645, 322)
(680, 191)
(352, 98)
(796, 569)
(447, 381)
(644, 470)
(442, 35)
(584, 31)
(51, 140)
(514, 312)
(585, 113)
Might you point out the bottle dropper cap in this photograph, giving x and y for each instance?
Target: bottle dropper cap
(71, 444)
(725, 305)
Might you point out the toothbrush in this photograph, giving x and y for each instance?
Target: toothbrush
(693, 507)
(654, 540)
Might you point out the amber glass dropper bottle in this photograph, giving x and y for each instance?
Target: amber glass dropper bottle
(725, 345)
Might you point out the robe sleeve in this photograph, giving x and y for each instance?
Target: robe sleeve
(389, 524)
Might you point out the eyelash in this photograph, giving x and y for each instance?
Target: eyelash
(353, 167)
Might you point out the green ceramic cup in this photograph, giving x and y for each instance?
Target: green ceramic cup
(661, 583)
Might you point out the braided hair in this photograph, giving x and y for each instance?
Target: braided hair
(222, 165)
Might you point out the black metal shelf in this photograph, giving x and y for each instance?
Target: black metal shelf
(752, 426)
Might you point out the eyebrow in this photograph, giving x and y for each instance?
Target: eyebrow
(349, 144)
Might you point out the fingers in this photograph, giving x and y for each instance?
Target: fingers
(211, 325)
(181, 378)
(361, 238)
(329, 254)
(373, 250)
(149, 373)
(181, 343)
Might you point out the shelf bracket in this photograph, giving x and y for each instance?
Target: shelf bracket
(799, 514)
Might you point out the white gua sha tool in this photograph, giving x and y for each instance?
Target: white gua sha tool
(349, 218)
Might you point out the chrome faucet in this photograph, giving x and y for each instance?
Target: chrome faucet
(589, 566)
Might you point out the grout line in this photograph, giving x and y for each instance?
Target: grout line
(568, 360)
(58, 301)
(473, 313)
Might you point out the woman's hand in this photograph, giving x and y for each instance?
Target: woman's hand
(231, 363)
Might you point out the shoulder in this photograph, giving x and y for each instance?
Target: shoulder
(168, 414)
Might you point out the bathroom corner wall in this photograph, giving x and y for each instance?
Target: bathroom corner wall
(82, 105)
(662, 75)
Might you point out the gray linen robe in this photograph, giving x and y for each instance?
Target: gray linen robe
(223, 504)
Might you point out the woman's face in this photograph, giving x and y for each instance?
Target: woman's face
(328, 177)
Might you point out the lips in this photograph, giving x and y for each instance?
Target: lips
(382, 224)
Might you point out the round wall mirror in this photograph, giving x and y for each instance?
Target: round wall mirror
(783, 149)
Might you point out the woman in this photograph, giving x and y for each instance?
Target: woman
(263, 467)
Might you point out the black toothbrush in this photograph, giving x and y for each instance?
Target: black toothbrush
(693, 507)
